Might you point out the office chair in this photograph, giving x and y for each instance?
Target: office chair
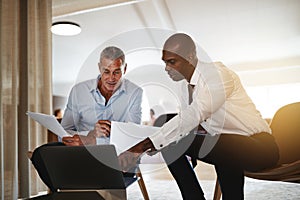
(285, 127)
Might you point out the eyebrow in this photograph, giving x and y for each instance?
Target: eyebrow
(107, 69)
(169, 59)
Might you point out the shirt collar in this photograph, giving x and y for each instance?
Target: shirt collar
(121, 88)
(196, 75)
(95, 84)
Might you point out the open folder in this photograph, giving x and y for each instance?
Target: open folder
(50, 122)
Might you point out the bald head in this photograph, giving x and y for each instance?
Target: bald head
(179, 55)
(182, 45)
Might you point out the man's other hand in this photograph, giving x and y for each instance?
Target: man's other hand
(79, 140)
(102, 128)
(129, 158)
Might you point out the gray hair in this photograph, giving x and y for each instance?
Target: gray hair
(112, 53)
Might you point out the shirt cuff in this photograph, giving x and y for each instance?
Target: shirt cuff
(158, 140)
(102, 140)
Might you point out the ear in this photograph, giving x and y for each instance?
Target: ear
(191, 57)
(125, 68)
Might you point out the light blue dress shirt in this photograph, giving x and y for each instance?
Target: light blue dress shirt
(86, 106)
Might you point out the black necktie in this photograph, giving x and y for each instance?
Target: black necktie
(190, 90)
(199, 129)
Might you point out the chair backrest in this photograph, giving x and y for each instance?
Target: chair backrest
(285, 127)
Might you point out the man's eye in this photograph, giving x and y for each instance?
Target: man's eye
(106, 72)
(172, 62)
(117, 72)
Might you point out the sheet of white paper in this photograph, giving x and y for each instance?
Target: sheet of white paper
(50, 122)
(125, 135)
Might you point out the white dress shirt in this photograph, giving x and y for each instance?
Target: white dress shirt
(220, 104)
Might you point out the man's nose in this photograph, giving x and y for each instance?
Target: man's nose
(112, 76)
(167, 68)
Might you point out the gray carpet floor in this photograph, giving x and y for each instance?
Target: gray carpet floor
(254, 190)
(160, 185)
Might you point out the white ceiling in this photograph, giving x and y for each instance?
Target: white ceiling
(247, 35)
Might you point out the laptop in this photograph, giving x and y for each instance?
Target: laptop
(83, 167)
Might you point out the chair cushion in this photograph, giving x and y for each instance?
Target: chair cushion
(286, 172)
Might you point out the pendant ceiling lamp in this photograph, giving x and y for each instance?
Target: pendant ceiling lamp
(65, 28)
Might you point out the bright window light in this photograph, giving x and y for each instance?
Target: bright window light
(268, 99)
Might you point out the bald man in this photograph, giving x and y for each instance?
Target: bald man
(237, 137)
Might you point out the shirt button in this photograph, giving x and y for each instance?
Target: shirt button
(161, 145)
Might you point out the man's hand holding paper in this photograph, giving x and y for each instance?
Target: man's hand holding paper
(79, 140)
(131, 142)
(102, 128)
(128, 159)
(126, 135)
